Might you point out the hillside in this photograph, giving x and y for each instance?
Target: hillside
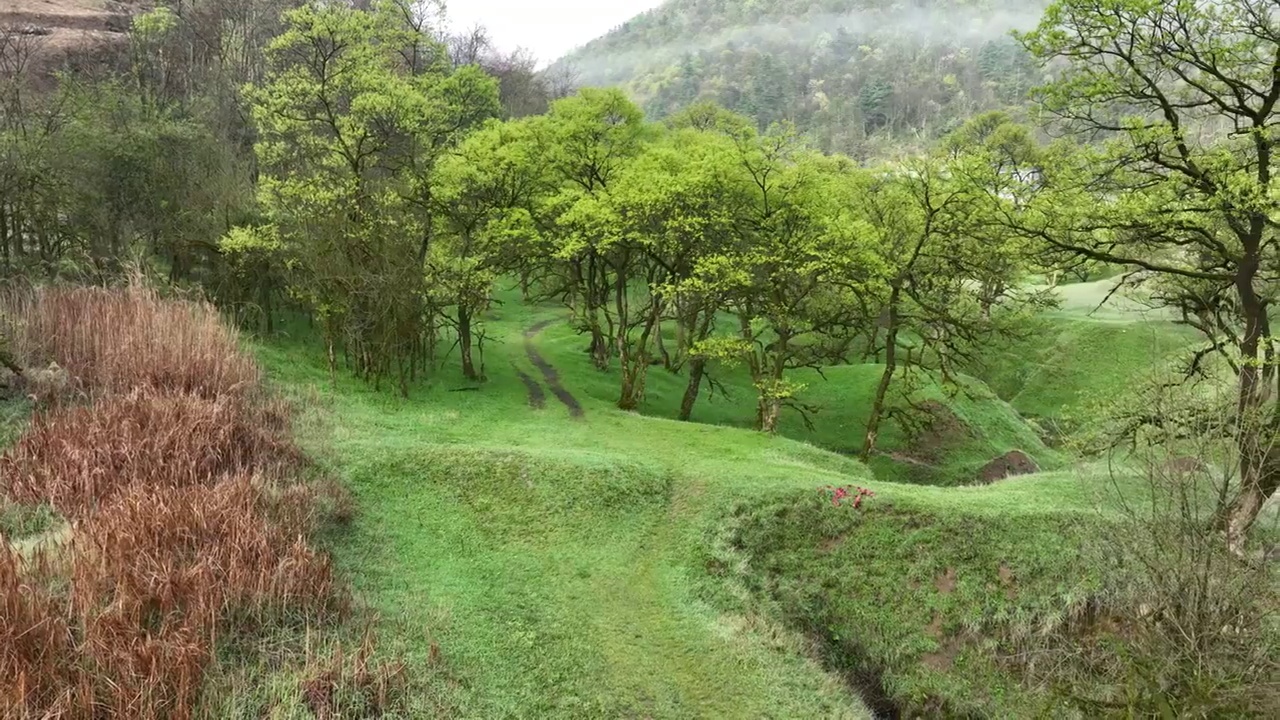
(349, 369)
(49, 32)
(855, 74)
(573, 560)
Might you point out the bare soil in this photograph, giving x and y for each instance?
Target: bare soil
(1011, 464)
(945, 583)
(549, 374)
(930, 442)
(51, 31)
(537, 398)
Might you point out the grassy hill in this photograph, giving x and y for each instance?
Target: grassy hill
(573, 560)
(534, 552)
(1094, 348)
(858, 75)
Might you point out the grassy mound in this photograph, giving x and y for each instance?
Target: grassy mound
(911, 596)
(1093, 349)
(959, 431)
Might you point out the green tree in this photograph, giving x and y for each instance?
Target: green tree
(798, 263)
(353, 114)
(668, 204)
(587, 141)
(486, 189)
(1182, 98)
(949, 275)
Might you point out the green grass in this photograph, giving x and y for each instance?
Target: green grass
(627, 565)
(842, 398)
(916, 594)
(18, 523)
(551, 558)
(14, 413)
(1080, 355)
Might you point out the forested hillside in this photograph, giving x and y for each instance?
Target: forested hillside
(858, 75)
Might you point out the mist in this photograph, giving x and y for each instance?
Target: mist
(598, 63)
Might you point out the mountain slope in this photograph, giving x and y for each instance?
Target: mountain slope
(856, 74)
(44, 35)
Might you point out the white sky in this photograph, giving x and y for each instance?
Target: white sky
(547, 28)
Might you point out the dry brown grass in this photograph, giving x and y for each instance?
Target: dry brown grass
(75, 457)
(185, 526)
(120, 340)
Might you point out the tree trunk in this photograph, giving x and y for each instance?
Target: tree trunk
(770, 408)
(697, 367)
(635, 359)
(662, 349)
(1255, 490)
(1258, 464)
(627, 398)
(333, 359)
(882, 390)
(464, 343)
(599, 348)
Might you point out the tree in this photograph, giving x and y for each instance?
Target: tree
(1181, 98)
(795, 268)
(485, 191)
(948, 273)
(587, 140)
(353, 115)
(668, 204)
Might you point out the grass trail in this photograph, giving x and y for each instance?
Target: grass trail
(553, 547)
(552, 559)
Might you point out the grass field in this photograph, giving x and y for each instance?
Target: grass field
(625, 565)
(1085, 352)
(536, 552)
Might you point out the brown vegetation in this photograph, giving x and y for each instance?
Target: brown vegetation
(185, 526)
(118, 341)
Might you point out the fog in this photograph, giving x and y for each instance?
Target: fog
(598, 63)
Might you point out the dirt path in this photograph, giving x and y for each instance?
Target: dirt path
(549, 374)
(537, 398)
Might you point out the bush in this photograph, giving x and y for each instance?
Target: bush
(1184, 626)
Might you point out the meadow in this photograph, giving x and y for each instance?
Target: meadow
(572, 560)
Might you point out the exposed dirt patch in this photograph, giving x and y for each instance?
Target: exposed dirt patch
(1185, 466)
(537, 398)
(949, 647)
(906, 459)
(939, 430)
(1006, 574)
(1008, 580)
(1011, 464)
(934, 628)
(51, 33)
(945, 583)
(944, 658)
(549, 374)
(830, 544)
